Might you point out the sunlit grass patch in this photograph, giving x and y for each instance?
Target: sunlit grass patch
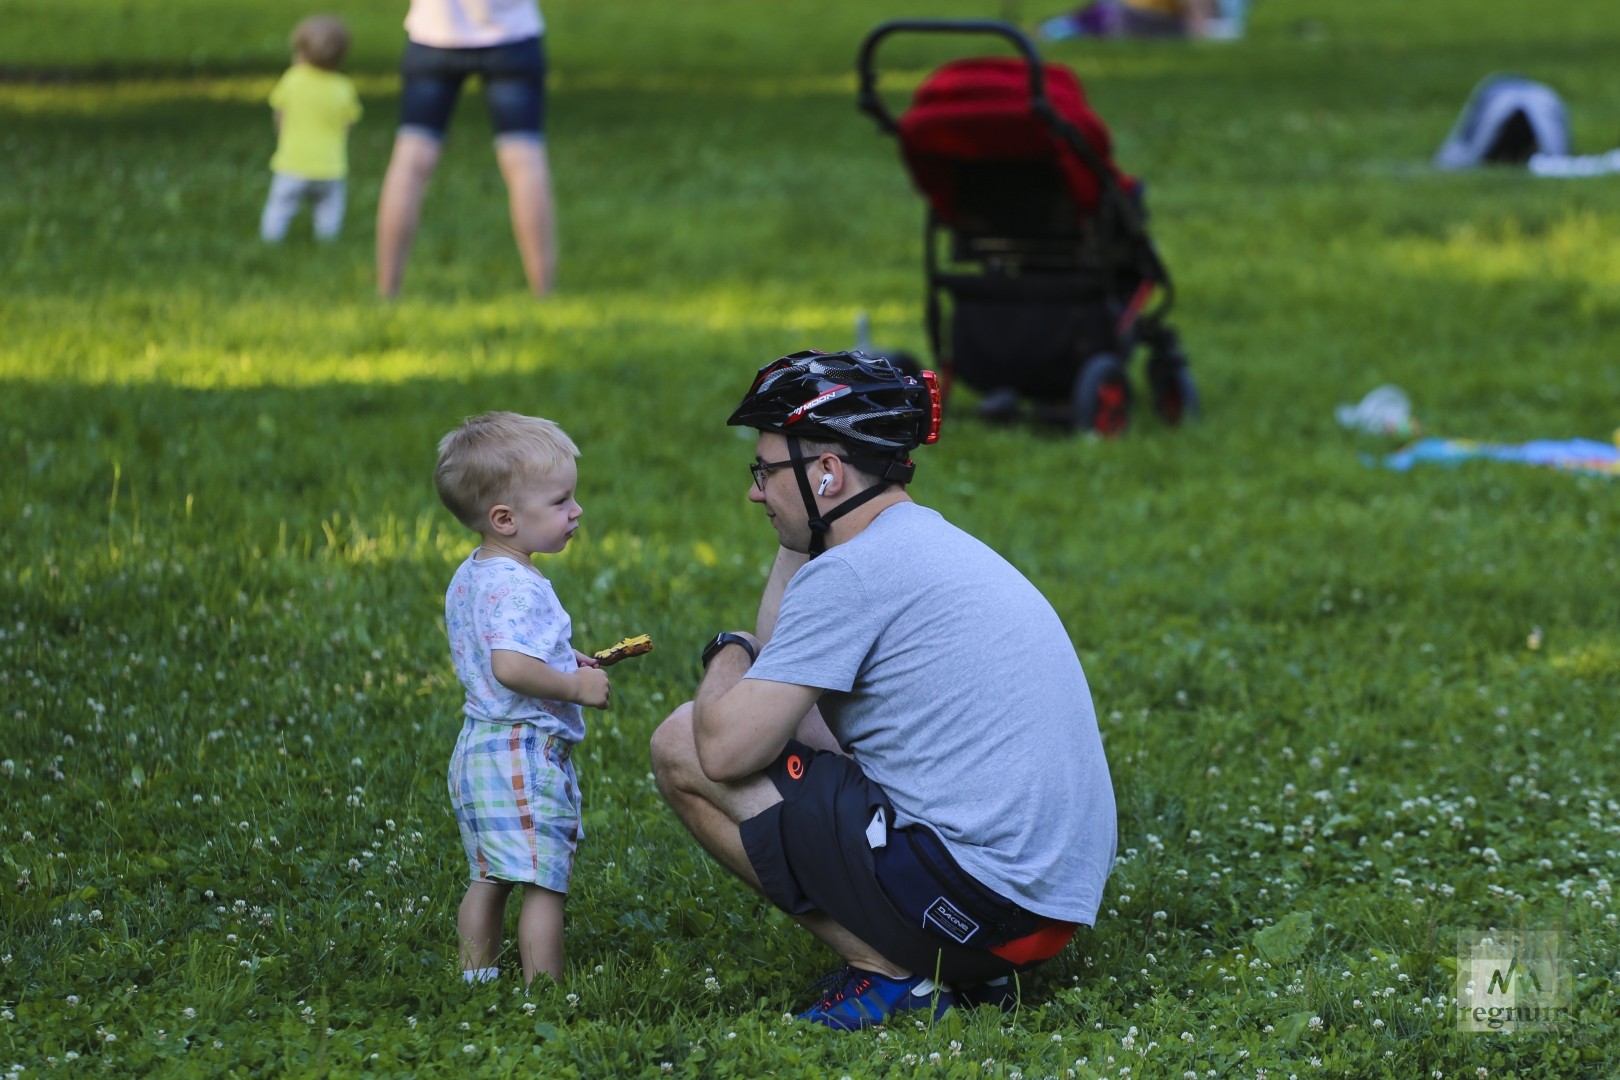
(111, 98)
(175, 337)
(1510, 249)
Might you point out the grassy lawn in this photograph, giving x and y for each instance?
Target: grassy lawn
(1352, 714)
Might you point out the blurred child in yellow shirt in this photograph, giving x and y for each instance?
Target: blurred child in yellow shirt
(314, 108)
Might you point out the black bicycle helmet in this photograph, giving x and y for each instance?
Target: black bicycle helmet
(863, 403)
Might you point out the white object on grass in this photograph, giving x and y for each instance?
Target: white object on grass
(1386, 410)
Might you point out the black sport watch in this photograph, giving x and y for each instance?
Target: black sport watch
(721, 641)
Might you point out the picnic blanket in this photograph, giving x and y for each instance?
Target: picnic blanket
(1572, 455)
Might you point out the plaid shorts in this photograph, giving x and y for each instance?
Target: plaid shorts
(517, 802)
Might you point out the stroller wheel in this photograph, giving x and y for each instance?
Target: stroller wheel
(1175, 395)
(1102, 397)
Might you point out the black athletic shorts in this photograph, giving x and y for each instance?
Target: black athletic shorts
(907, 899)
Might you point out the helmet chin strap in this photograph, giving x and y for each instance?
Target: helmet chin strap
(819, 523)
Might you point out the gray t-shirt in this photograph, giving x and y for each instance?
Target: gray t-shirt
(953, 683)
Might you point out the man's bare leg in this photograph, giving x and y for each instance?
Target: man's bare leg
(712, 811)
(399, 207)
(527, 172)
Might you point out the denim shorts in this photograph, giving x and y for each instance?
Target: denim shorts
(513, 77)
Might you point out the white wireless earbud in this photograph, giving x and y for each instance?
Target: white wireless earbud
(826, 478)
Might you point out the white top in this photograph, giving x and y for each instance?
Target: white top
(500, 603)
(472, 24)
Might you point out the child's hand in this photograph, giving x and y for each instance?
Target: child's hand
(592, 688)
(586, 659)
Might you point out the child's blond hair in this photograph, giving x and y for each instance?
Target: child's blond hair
(323, 40)
(483, 461)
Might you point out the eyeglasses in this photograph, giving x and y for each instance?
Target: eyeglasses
(762, 470)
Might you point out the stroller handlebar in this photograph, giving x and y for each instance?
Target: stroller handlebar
(871, 104)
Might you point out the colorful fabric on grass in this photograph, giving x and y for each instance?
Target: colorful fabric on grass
(1571, 455)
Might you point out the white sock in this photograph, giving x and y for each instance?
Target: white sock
(480, 975)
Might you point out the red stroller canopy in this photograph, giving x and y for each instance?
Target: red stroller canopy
(979, 111)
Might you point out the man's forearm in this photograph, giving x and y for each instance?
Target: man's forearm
(786, 565)
(725, 671)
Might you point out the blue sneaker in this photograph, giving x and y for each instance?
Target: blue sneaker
(855, 999)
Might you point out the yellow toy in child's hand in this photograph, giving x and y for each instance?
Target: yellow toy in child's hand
(630, 646)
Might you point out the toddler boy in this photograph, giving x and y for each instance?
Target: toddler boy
(511, 479)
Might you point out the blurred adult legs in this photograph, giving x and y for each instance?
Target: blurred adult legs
(527, 172)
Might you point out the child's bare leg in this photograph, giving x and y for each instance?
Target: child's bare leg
(479, 923)
(540, 933)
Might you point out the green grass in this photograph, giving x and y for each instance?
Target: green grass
(225, 840)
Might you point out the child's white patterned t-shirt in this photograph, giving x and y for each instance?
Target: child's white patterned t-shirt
(499, 603)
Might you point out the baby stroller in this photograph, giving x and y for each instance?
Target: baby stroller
(1042, 279)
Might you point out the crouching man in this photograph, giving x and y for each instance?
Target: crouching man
(904, 755)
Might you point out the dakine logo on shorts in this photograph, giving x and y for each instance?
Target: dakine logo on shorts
(957, 926)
